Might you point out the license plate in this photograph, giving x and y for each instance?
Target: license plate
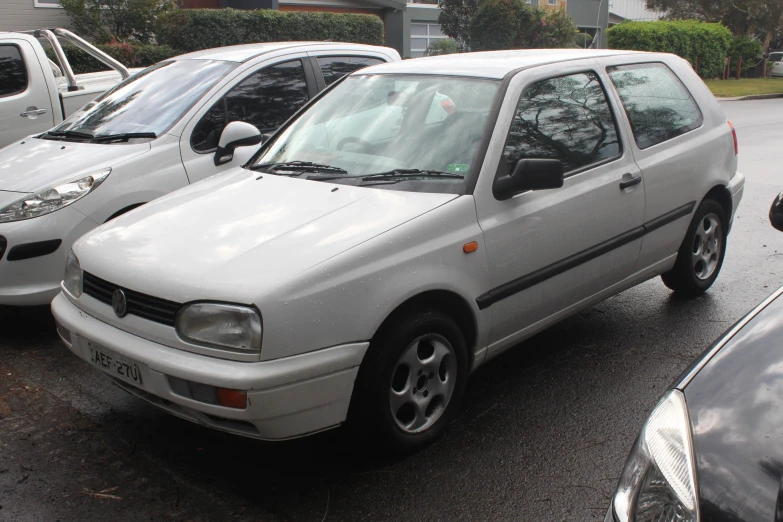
(115, 365)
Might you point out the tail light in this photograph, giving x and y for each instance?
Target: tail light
(734, 136)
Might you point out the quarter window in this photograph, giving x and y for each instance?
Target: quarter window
(658, 105)
(566, 118)
(335, 67)
(13, 74)
(265, 99)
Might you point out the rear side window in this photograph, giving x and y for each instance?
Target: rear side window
(13, 74)
(266, 99)
(566, 118)
(658, 105)
(335, 67)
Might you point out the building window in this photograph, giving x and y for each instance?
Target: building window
(552, 2)
(422, 35)
(47, 3)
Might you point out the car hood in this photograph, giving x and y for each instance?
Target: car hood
(35, 164)
(736, 408)
(232, 237)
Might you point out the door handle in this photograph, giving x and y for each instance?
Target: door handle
(32, 111)
(630, 182)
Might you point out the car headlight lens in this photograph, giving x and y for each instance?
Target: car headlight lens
(220, 325)
(51, 199)
(659, 479)
(73, 276)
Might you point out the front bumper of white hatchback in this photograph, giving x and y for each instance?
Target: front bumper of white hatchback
(286, 398)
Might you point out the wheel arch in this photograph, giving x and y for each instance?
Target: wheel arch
(124, 210)
(721, 194)
(446, 301)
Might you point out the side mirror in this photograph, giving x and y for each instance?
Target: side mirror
(236, 134)
(776, 212)
(529, 174)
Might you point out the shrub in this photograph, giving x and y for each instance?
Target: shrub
(195, 29)
(751, 52)
(709, 43)
(454, 19)
(511, 24)
(124, 20)
(446, 46)
(130, 55)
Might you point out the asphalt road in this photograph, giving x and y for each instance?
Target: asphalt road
(544, 433)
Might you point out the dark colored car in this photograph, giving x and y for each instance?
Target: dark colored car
(712, 449)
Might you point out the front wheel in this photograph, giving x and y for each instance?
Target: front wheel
(411, 382)
(701, 254)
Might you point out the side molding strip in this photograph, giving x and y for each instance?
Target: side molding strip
(539, 276)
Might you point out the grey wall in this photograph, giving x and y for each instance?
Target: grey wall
(590, 13)
(398, 25)
(22, 15)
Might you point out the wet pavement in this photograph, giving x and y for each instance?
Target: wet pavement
(543, 435)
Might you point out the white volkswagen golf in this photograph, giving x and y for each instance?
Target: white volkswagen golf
(419, 219)
(157, 131)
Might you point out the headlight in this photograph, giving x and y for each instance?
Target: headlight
(659, 479)
(220, 325)
(73, 276)
(52, 199)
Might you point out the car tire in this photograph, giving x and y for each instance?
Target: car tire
(701, 254)
(411, 382)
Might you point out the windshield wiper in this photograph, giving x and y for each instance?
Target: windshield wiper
(70, 134)
(411, 173)
(297, 168)
(124, 136)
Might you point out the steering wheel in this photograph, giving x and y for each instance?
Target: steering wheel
(364, 146)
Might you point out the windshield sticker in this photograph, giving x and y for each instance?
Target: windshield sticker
(457, 167)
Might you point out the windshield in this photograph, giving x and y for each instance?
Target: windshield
(149, 102)
(776, 57)
(411, 133)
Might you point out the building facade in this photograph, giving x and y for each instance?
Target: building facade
(25, 15)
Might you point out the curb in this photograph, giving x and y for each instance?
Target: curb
(753, 97)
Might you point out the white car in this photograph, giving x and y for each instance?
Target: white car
(777, 64)
(150, 135)
(361, 267)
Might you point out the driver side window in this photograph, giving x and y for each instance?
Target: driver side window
(266, 99)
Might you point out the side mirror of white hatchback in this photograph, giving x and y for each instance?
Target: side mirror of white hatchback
(236, 134)
(529, 174)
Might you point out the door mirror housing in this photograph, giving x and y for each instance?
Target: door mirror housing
(529, 174)
(776, 212)
(236, 134)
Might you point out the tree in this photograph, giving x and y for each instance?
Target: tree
(122, 20)
(511, 24)
(761, 19)
(454, 19)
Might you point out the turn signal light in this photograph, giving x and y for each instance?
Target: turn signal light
(734, 135)
(470, 247)
(232, 398)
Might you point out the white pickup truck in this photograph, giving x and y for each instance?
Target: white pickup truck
(35, 93)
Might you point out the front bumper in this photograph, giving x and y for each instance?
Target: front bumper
(736, 189)
(286, 398)
(35, 281)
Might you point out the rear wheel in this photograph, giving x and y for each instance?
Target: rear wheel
(411, 382)
(701, 254)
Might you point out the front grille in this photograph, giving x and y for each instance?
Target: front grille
(142, 305)
(3, 245)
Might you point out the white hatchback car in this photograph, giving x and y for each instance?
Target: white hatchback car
(152, 134)
(416, 221)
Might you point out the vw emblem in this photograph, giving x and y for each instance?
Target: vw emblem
(119, 303)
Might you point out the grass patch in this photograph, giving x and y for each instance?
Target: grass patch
(745, 87)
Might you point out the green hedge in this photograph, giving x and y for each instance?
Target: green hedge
(710, 43)
(130, 55)
(195, 29)
(751, 52)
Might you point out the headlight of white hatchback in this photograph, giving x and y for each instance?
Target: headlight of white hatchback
(220, 325)
(73, 276)
(51, 199)
(659, 479)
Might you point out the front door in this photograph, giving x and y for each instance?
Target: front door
(25, 106)
(266, 98)
(549, 250)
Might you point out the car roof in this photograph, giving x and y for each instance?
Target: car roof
(490, 64)
(243, 53)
